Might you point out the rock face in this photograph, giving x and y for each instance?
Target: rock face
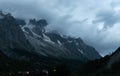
(22, 40)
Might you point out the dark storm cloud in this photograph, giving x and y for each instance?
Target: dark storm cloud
(78, 18)
(109, 18)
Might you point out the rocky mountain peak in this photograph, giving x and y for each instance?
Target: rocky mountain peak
(38, 23)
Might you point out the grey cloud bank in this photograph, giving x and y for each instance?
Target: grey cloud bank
(97, 22)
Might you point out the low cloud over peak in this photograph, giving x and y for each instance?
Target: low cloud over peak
(97, 22)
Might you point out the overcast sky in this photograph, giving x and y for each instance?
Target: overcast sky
(97, 22)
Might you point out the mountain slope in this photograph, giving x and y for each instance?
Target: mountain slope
(115, 57)
(12, 37)
(106, 66)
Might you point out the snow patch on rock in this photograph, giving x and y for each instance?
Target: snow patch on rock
(59, 42)
(81, 51)
(47, 39)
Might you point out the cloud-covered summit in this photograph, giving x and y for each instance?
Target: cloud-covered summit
(97, 22)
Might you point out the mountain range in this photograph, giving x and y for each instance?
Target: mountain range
(19, 38)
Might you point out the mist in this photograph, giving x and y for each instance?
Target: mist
(97, 22)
